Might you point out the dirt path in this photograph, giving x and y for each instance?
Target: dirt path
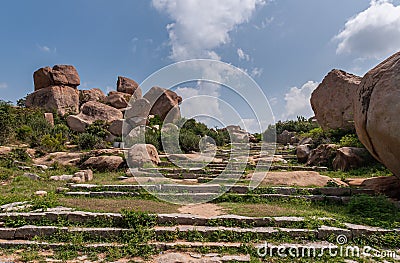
(207, 210)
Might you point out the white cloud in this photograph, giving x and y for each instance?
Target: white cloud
(201, 100)
(265, 23)
(298, 101)
(373, 33)
(256, 72)
(3, 85)
(200, 26)
(242, 55)
(47, 49)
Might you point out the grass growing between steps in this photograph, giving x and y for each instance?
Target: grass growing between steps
(118, 204)
(362, 209)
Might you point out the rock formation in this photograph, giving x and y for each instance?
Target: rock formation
(164, 103)
(91, 95)
(90, 112)
(61, 99)
(140, 154)
(59, 75)
(129, 86)
(55, 90)
(377, 111)
(118, 100)
(350, 158)
(332, 101)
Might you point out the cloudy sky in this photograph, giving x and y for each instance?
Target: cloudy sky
(287, 46)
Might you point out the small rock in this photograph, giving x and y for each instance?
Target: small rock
(41, 166)
(77, 180)
(41, 193)
(32, 176)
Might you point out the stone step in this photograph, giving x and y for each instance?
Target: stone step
(293, 168)
(264, 227)
(116, 219)
(29, 232)
(328, 191)
(194, 197)
(261, 232)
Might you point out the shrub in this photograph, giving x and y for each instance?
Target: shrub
(189, 141)
(350, 140)
(98, 129)
(87, 141)
(51, 143)
(6, 122)
(24, 133)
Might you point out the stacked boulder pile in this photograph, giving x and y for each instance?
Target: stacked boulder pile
(56, 91)
(370, 104)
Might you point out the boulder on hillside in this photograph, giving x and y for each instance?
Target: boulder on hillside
(91, 95)
(332, 100)
(162, 101)
(285, 137)
(303, 152)
(350, 158)
(116, 127)
(323, 155)
(129, 86)
(118, 100)
(386, 185)
(104, 163)
(61, 99)
(90, 112)
(59, 75)
(377, 111)
(62, 158)
(237, 134)
(140, 154)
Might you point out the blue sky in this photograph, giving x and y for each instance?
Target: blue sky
(287, 46)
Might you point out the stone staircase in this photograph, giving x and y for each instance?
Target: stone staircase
(229, 238)
(323, 194)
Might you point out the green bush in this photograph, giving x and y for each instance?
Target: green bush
(350, 140)
(51, 143)
(7, 122)
(87, 141)
(189, 141)
(98, 129)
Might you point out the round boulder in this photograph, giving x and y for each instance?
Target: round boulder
(377, 110)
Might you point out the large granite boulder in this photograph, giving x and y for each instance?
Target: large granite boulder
(164, 103)
(303, 152)
(332, 100)
(126, 85)
(377, 111)
(91, 95)
(116, 127)
(285, 137)
(59, 75)
(350, 158)
(140, 154)
(104, 163)
(237, 134)
(118, 100)
(90, 112)
(61, 99)
(323, 155)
